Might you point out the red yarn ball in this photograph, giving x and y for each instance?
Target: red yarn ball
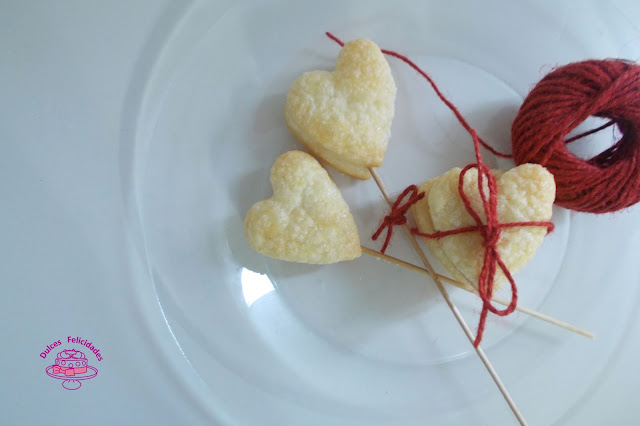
(562, 100)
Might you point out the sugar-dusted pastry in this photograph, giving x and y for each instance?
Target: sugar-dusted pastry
(344, 117)
(306, 220)
(525, 194)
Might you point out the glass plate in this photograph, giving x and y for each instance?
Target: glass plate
(365, 342)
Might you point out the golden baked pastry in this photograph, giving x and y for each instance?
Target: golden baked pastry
(344, 117)
(306, 220)
(525, 194)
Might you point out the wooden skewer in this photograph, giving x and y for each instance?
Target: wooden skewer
(531, 312)
(452, 306)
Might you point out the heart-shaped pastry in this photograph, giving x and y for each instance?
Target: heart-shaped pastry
(306, 220)
(525, 194)
(344, 117)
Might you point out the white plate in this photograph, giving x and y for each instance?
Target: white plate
(364, 342)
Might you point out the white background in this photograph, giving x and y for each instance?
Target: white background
(67, 261)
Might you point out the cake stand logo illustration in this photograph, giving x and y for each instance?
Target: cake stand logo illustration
(72, 367)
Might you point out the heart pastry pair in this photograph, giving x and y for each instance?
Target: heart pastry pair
(344, 118)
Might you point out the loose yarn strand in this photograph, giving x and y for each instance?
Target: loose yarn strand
(440, 95)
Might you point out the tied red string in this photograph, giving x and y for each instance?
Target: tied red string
(398, 215)
(490, 231)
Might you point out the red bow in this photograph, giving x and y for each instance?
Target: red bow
(398, 213)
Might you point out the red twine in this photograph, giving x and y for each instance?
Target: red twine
(398, 215)
(562, 100)
(446, 101)
(490, 231)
